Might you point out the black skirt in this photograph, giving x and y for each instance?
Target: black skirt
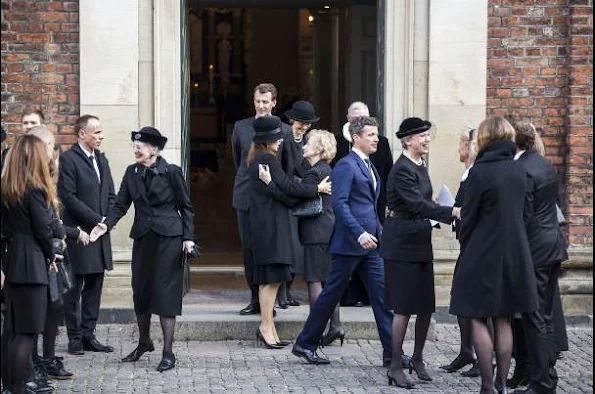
(409, 287)
(26, 307)
(157, 275)
(316, 263)
(272, 273)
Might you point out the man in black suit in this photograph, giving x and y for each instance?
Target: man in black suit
(548, 250)
(265, 99)
(86, 190)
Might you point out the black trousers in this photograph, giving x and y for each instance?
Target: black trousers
(245, 238)
(81, 306)
(539, 333)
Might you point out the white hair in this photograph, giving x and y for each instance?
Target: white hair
(358, 105)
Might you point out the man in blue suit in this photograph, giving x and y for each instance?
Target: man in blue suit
(353, 244)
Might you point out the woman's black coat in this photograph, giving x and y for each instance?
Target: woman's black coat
(318, 230)
(409, 194)
(494, 276)
(164, 207)
(27, 245)
(269, 217)
(545, 238)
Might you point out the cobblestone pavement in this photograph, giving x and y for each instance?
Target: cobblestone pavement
(240, 367)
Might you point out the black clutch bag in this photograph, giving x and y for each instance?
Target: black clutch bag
(308, 208)
(64, 277)
(55, 295)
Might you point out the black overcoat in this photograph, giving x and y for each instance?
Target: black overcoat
(545, 238)
(269, 216)
(318, 230)
(408, 237)
(86, 202)
(27, 244)
(494, 276)
(164, 208)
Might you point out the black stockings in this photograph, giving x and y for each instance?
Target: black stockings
(484, 348)
(50, 332)
(466, 339)
(168, 325)
(144, 327)
(19, 351)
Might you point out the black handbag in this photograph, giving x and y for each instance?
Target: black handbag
(186, 279)
(55, 295)
(309, 208)
(64, 277)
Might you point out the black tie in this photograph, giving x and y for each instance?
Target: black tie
(95, 166)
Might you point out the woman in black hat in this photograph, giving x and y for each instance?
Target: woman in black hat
(163, 229)
(407, 247)
(269, 220)
(300, 116)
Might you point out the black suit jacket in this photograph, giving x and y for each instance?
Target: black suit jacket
(86, 201)
(545, 238)
(27, 240)
(241, 139)
(163, 207)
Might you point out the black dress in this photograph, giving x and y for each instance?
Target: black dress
(164, 218)
(407, 239)
(315, 232)
(26, 252)
(495, 271)
(269, 219)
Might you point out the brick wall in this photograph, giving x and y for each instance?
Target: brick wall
(540, 63)
(40, 63)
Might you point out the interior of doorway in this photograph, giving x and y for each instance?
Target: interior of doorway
(323, 54)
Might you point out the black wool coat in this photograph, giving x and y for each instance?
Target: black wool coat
(409, 193)
(495, 275)
(86, 202)
(269, 216)
(318, 230)
(546, 241)
(27, 239)
(163, 207)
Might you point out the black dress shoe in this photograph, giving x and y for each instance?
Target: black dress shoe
(39, 386)
(55, 369)
(141, 349)
(293, 302)
(168, 361)
(251, 309)
(459, 362)
(472, 372)
(311, 356)
(93, 345)
(520, 377)
(284, 304)
(525, 391)
(75, 347)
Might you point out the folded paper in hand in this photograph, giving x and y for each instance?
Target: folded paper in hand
(445, 197)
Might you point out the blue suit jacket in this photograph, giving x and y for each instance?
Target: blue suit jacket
(354, 205)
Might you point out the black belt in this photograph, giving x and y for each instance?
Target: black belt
(404, 215)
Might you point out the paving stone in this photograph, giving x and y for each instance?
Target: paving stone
(234, 366)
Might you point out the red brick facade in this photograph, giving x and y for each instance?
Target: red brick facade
(40, 63)
(540, 65)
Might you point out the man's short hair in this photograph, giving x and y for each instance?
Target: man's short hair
(357, 105)
(82, 122)
(263, 88)
(357, 126)
(33, 111)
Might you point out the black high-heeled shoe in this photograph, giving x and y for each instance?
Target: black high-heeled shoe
(404, 384)
(520, 377)
(283, 343)
(260, 340)
(331, 336)
(458, 363)
(420, 370)
(168, 361)
(141, 349)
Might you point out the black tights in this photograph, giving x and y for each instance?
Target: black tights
(314, 290)
(18, 349)
(399, 329)
(168, 325)
(50, 332)
(484, 348)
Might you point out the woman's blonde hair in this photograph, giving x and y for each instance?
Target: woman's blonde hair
(323, 142)
(494, 128)
(27, 167)
(42, 132)
(469, 137)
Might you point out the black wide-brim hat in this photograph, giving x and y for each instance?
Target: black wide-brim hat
(267, 129)
(302, 111)
(150, 135)
(411, 126)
